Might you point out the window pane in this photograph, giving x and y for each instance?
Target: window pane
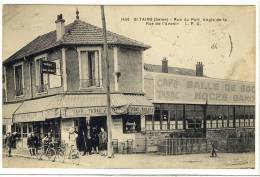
(131, 124)
(173, 117)
(179, 116)
(19, 80)
(149, 122)
(55, 79)
(41, 78)
(157, 119)
(90, 75)
(165, 119)
(231, 115)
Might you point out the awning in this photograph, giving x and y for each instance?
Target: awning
(81, 105)
(8, 111)
(39, 109)
(95, 105)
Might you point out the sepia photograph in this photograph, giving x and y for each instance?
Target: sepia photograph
(129, 86)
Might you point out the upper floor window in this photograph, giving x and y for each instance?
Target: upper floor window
(18, 79)
(90, 68)
(41, 78)
(55, 79)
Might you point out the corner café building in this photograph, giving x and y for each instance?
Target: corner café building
(198, 103)
(41, 102)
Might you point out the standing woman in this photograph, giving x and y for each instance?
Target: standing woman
(103, 142)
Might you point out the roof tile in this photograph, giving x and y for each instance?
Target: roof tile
(78, 33)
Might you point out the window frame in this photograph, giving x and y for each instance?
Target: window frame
(14, 66)
(90, 49)
(45, 56)
(59, 75)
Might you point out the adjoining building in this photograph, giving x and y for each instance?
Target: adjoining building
(57, 82)
(190, 104)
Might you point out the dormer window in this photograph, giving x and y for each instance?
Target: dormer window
(18, 79)
(90, 67)
(41, 78)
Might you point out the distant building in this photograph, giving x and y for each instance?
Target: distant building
(189, 104)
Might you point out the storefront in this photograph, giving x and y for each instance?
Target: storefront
(60, 113)
(197, 103)
(8, 110)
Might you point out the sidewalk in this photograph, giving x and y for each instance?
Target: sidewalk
(22, 159)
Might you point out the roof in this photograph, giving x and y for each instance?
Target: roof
(78, 33)
(171, 70)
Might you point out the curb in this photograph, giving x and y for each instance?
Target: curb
(33, 157)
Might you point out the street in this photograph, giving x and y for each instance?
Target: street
(140, 161)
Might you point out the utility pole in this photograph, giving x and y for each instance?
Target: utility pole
(109, 119)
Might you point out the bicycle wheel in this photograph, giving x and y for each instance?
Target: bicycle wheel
(61, 154)
(51, 154)
(40, 153)
(75, 156)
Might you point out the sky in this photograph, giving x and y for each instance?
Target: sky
(226, 47)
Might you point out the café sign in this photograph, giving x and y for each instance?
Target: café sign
(48, 67)
(196, 90)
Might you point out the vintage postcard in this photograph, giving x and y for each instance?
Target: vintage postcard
(129, 87)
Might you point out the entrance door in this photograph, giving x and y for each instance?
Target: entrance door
(98, 122)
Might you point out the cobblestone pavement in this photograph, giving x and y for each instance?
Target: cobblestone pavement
(194, 161)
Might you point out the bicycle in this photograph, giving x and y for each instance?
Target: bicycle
(48, 150)
(64, 151)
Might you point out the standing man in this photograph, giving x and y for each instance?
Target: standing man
(213, 151)
(9, 143)
(94, 139)
(103, 142)
(88, 140)
(35, 142)
(30, 144)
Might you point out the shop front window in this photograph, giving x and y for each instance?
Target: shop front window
(231, 116)
(24, 127)
(172, 117)
(149, 122)
(247, 116)
(194, 116)
(252, 116)
(225, 116)
(179, 112)
(164, 118)
(131, 124)
(220, 117)
(157, 119)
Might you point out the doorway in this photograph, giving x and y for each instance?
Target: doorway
(97, 122)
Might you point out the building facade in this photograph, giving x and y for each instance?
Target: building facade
(57, 82)
(190, 104)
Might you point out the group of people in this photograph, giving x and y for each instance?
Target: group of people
(91, 139)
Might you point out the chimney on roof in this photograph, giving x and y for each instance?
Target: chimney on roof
(199, 69)
(164, 65)
(77, 14)
(60, 29)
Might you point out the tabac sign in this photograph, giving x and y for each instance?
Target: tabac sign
(48, 67)
(196, 90)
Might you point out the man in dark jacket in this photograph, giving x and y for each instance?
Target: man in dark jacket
(9, 143)
(34, 143)
(30, 144)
